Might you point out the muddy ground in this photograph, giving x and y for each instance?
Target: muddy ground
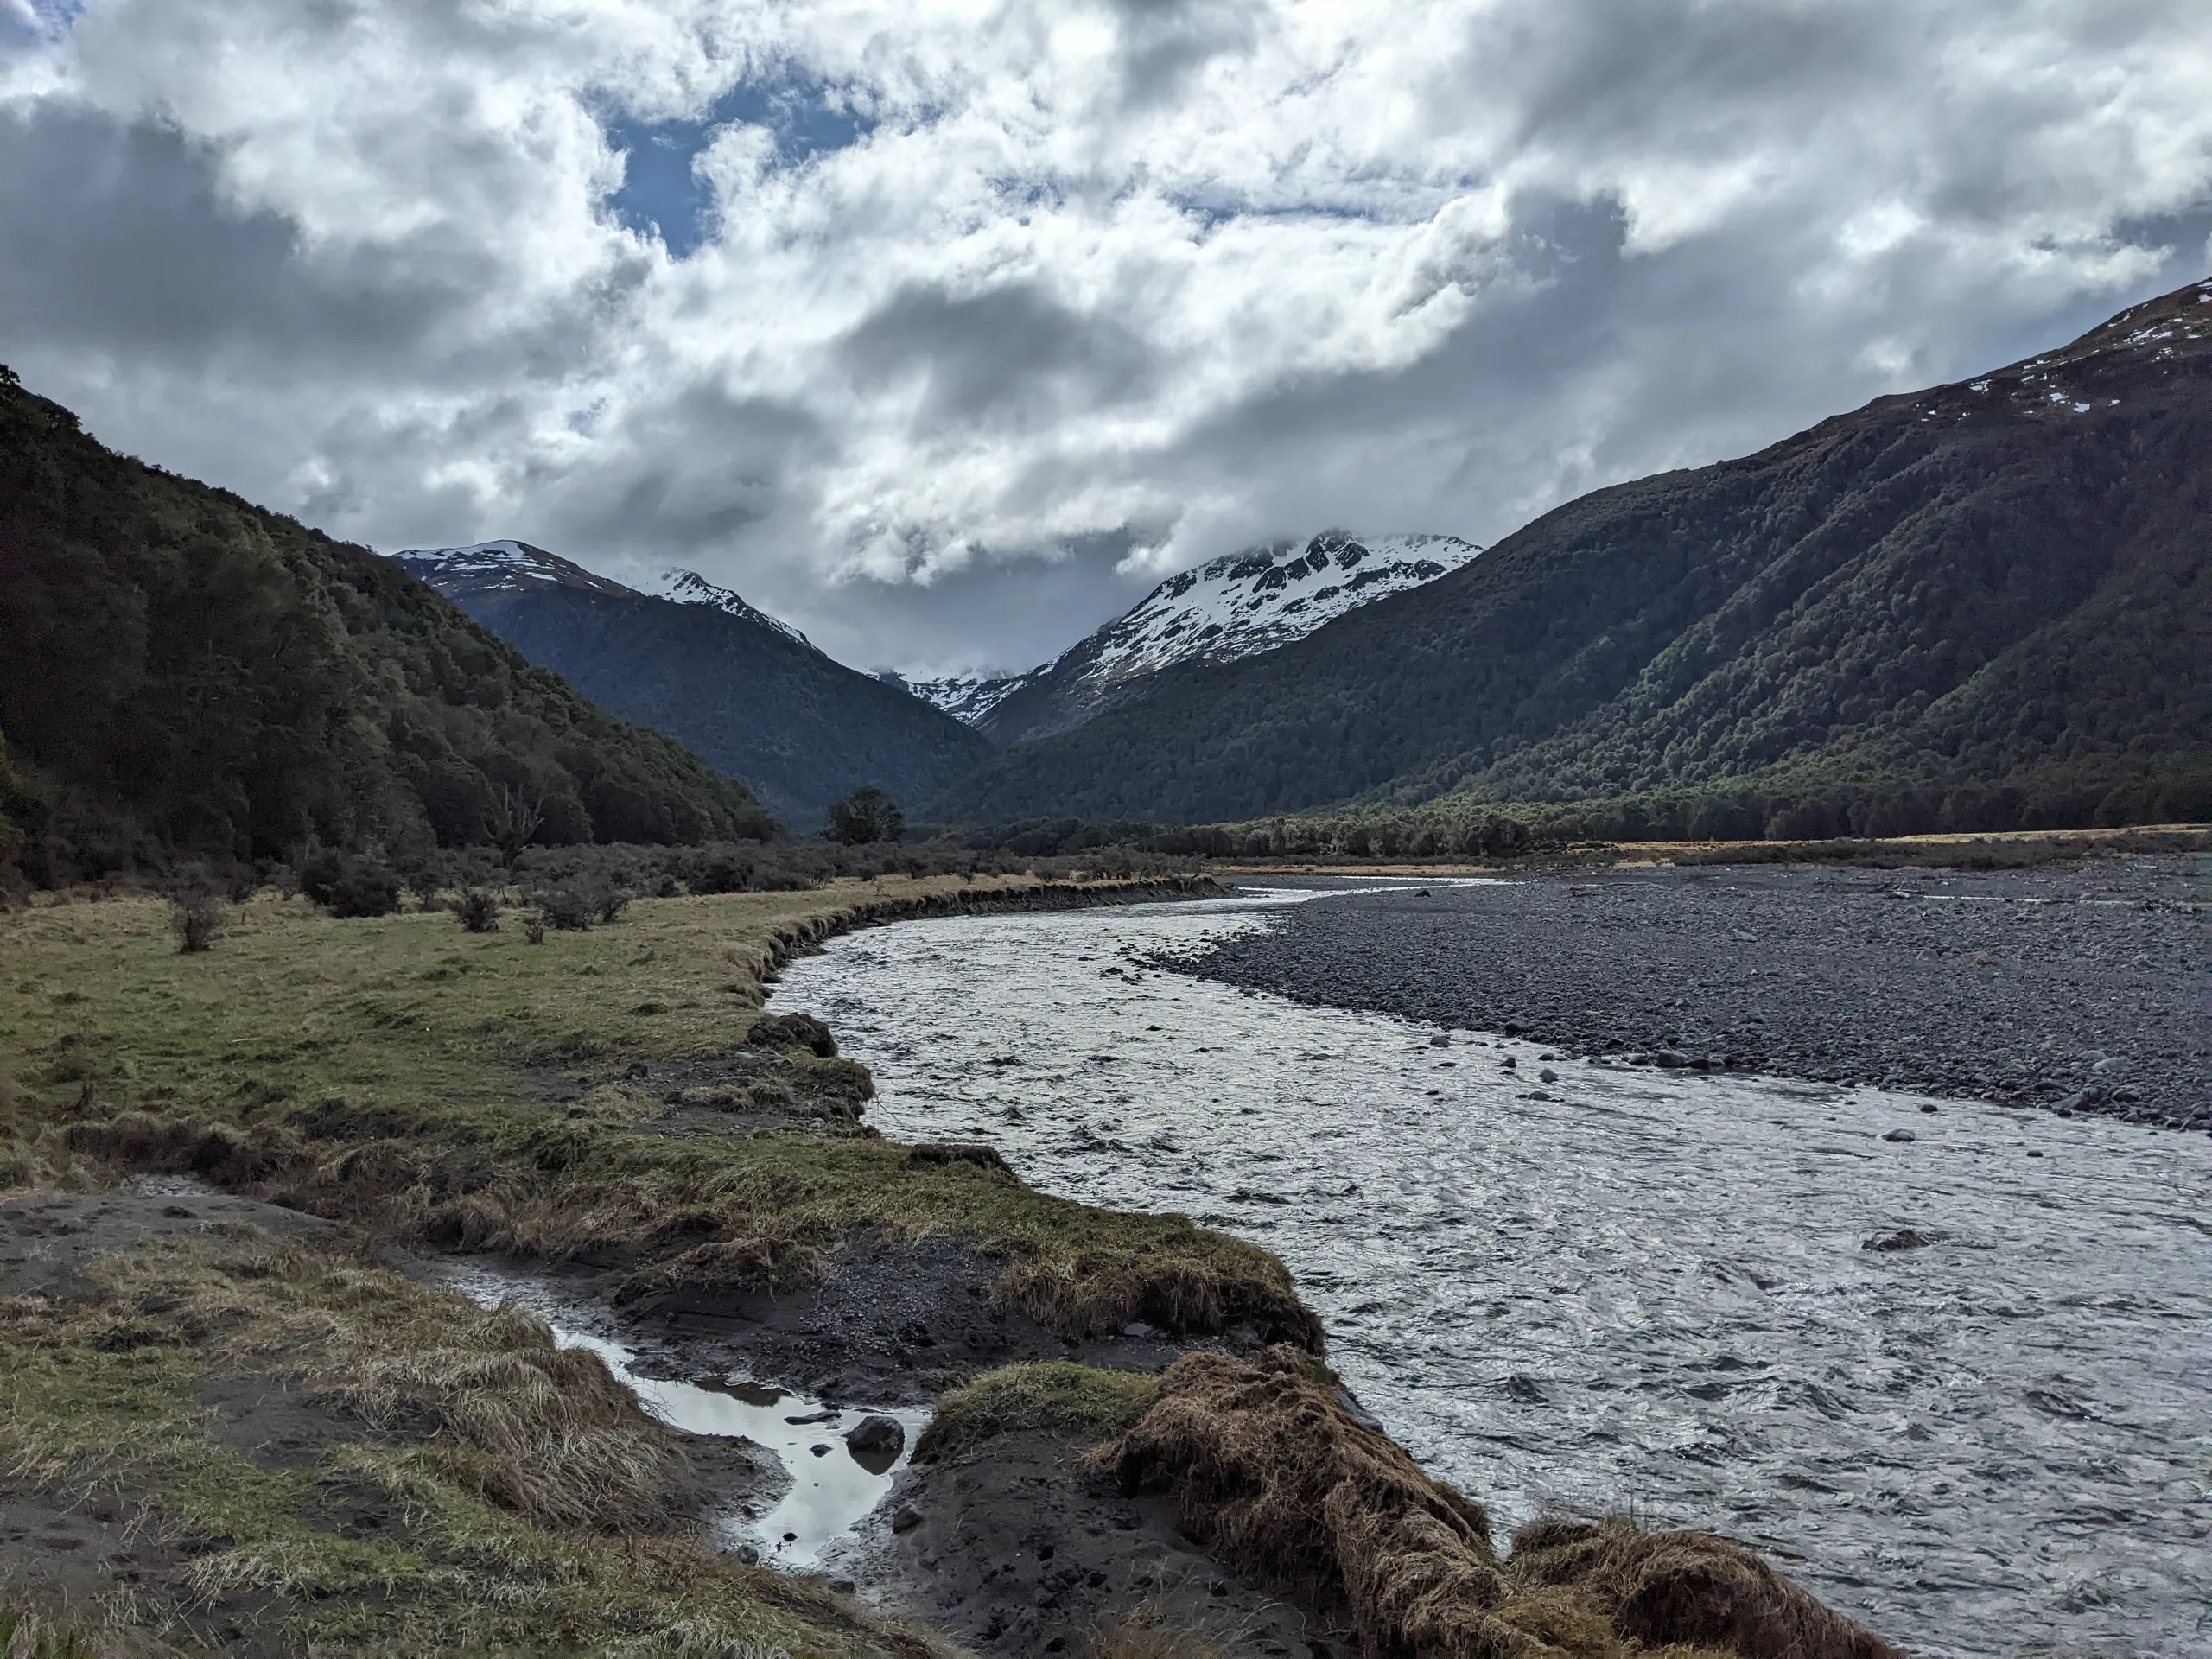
(1009, 1548)
(894, 1325)
(2079, 988)
(1014, 1548)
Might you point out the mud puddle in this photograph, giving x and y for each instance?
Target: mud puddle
(833, 1485)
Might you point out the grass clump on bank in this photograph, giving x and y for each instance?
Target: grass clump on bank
(1274, 1476)
(475, 1091)
(1080, 1402)
(448, 1480)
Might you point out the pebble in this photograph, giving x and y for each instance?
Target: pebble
(1836, 980)
(876, 1435)
(1898, 1134)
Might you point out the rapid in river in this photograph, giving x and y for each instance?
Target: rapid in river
(1952, 1369)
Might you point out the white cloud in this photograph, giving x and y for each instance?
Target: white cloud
(1069, 294)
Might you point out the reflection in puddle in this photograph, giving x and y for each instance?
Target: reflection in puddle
(833, 1485)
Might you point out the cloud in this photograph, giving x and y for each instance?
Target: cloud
(943, 329)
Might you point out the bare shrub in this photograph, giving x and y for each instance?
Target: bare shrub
(197, 920)
(479, 910)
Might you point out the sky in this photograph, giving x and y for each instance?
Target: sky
(945, 330)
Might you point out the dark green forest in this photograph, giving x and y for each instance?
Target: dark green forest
(1980, 607)
(184, 675)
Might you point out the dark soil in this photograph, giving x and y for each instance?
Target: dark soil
(896, 1323)
(69, 1548)
(2079, 988)
(1013, 1549)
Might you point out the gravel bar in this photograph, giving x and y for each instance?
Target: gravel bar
(2077, 987)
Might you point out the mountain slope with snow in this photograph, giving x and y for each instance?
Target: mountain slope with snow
(969, 698)
(749, 694)
(1235, 607)
(1983, 605)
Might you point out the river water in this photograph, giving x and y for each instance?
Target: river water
(1632, 1291)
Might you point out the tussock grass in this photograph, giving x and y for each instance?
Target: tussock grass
(1080, 1401)
(459, 1502)
(1276, 1477)
(1147, 1632)
(399, 1071)
(26, 1636)
(547, 1432)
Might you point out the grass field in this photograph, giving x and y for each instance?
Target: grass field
(472, 1091)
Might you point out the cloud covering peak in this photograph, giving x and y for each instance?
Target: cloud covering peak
(946, 330)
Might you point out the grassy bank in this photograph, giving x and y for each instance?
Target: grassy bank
(300, 1453)
(483, 1092)
(1271, 1471)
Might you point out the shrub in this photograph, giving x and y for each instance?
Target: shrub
(479, 910)
(866, 816)
(425, 881)
(533, 928)
(610, 902)
(565, 910)
(351, 884)
(196, 918)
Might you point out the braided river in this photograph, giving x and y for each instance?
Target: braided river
(1958, 1384)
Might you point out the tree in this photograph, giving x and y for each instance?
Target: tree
(866, 815)
(513, 819)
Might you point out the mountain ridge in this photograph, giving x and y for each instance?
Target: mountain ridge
(1832, 615)
(747, 691)
(184, 675)
(1240, 605)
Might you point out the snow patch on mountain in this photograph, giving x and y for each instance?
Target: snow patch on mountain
(1235, 607)
(966, 697)
(1264, 597)
(689, 588)
(516, 566)
(498, 567)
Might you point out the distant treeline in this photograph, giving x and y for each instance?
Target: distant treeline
(1456, 827)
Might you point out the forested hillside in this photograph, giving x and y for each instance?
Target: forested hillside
(183, 674)
(747, 693)
(1977, 607)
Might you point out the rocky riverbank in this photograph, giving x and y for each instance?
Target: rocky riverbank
(2079, 989)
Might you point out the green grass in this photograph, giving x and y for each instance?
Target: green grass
(466, 1091)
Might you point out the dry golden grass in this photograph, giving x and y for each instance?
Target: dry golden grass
(1276, 1478)
(1082, 1402)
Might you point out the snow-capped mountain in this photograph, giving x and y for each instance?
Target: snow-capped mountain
(966, 698)
(499, 568)
(511, 567)
(749, 694)
(1267, 596)
(1235, 607)
(689, 588)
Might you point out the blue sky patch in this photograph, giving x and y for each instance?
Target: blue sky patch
(660, 190)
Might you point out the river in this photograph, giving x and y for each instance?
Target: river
(1622, 1290)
